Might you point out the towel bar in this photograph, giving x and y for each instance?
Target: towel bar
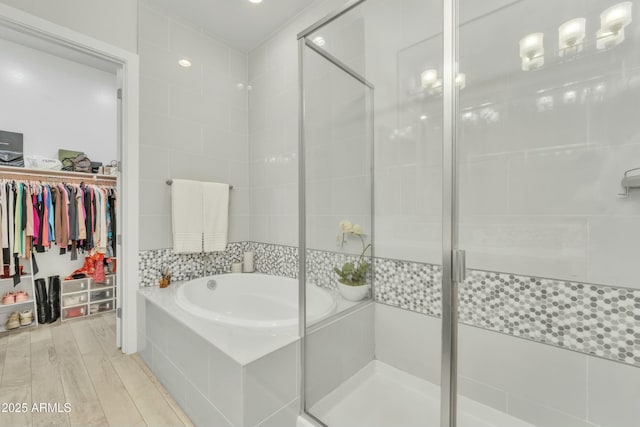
(170, 181)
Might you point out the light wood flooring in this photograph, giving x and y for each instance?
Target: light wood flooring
(78, 362)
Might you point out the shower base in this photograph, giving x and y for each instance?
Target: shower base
(382, 396)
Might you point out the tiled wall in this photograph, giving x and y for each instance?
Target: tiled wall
(193, 121)
(593, 319)
(273, 131)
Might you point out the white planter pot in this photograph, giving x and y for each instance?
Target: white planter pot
(353, 293)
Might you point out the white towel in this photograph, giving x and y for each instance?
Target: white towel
(215, 216)
(186, 213)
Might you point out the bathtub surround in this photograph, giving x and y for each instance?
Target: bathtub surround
(592, 319)
(249, 380)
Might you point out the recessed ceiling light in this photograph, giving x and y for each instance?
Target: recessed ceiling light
(423, 117)
(256, 1)
(184, 62)
(319, 41)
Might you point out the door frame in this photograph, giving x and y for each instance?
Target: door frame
(128, 77)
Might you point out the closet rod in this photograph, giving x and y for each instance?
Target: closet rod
(170, 181)
(27, 174)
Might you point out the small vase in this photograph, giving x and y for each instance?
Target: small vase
(353, 293)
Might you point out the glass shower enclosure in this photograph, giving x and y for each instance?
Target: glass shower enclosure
(467, 194)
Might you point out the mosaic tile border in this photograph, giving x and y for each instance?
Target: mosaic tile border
(598, 320)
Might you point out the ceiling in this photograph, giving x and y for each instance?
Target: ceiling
(242, 24)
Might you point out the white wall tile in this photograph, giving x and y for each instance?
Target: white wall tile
(154, 197)
(154, 130)
(270, 384)
(197, 116)
(154, 96)
(287, 416)
(200, 409)
(154, 163)
(337, 351)
(170, 376)
(614, 393)
(189, 353)
(396, 344)
(154, 232)
(545, 375)
(154, 27)
(612, 250)
(544, 416)
(239, 65)
(185, 135)
(225, 385)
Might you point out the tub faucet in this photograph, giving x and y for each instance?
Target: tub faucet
(208, 265)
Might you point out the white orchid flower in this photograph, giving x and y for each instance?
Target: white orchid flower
(346, 226)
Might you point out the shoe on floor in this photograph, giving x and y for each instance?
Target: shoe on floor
(26, 317)
(13, 322)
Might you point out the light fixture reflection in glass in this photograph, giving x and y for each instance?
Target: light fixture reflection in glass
(571, 36)
(255, 1)
(612, 23)
(429, 78)
(319, 41)
(532, 51)
(469, 116)
(570, 97)
(424, 117)
(184, 62)
(544, 103)
(461, 80)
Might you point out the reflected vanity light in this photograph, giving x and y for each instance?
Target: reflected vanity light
(319, 41)
(612, 23)
(570, 97)
(184, 62)
(571, 36)
(424, 117)
(532, 51)
(429, 79)
(544, 103)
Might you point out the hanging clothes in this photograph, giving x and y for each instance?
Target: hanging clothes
(77, 218)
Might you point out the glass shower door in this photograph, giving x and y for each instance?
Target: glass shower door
(338, 228)
(547, 126)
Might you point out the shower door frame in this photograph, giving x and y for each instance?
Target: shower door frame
(453, 259)
(304, 42)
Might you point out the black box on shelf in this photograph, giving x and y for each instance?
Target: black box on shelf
(11, 149)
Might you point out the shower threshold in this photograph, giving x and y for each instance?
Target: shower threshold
(380, 395)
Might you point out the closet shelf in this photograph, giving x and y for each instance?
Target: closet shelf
(15, 304)
(9, 172)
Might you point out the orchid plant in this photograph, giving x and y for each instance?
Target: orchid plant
(353, 273)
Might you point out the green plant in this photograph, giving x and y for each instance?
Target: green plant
(353, 273)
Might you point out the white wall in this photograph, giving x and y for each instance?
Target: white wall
(541, 384)
(113, 21)
(193, 121)
(57, 103)
(538, 189)
(273, 131)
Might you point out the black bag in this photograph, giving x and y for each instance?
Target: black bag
(11, 149)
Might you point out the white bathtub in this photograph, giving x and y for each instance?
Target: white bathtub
(252, 300)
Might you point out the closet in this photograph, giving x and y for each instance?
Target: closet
(58, 223)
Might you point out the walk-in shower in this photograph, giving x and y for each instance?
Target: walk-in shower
(479, 147)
